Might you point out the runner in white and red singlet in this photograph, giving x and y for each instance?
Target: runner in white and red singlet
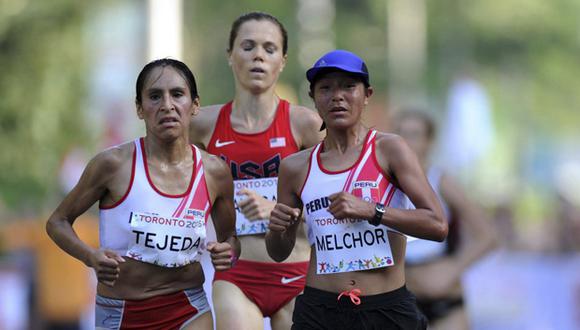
(352, 188)
(155, 195)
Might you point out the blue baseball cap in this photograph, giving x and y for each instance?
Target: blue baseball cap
(341, 60)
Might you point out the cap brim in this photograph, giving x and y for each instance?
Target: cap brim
(313, 72)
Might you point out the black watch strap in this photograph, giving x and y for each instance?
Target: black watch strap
(379, 211)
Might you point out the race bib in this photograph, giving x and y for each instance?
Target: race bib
(167, 241)
(265, 187)
(350, 245)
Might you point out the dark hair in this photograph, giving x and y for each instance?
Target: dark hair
(177, 65)
(257, 16)
(422, 116)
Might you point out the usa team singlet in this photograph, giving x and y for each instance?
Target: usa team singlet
(348, 244)
(254, 158)
(151, 226)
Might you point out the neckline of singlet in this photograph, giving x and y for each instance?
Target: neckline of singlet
(227, 113)
(360, 156)
(191, 179)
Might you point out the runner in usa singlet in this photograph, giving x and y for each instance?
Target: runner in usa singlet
(253, 133)
(254, 158)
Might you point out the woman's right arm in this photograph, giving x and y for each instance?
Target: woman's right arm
(91, 187)
(286, 215)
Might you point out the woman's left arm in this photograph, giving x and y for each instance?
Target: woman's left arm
(227, 249)
(399, 162)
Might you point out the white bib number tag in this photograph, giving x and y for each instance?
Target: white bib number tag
(350, 245)
(167, 241)
(265, 187)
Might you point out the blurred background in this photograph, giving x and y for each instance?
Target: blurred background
(500, 77)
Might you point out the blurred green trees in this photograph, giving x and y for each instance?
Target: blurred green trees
(525, 52)
(41, 88)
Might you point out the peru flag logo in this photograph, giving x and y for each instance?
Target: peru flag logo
(192, 214)
(366, 190)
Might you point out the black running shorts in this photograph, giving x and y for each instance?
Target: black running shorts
(318, 309)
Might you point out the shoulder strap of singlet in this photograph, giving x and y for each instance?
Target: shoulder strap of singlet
(283, 115)
(199, 175)
(137, 143)
(371, 138)
(139, 160)
(314, 155)
(225, 112)
(284, 110)
(367, 152)
(284, 106)
(198, 179)
(312, 166)
(202, 181)
(197, 154)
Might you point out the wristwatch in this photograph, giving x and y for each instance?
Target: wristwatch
(379, 211)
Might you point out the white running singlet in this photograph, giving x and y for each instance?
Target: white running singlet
(348, 244)
(151, 226)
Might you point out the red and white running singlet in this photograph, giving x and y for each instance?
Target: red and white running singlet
(254, 158)
(348, 244)
(151, 226)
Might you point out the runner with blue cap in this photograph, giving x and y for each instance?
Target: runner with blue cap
(338, 60)
(351, 190)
